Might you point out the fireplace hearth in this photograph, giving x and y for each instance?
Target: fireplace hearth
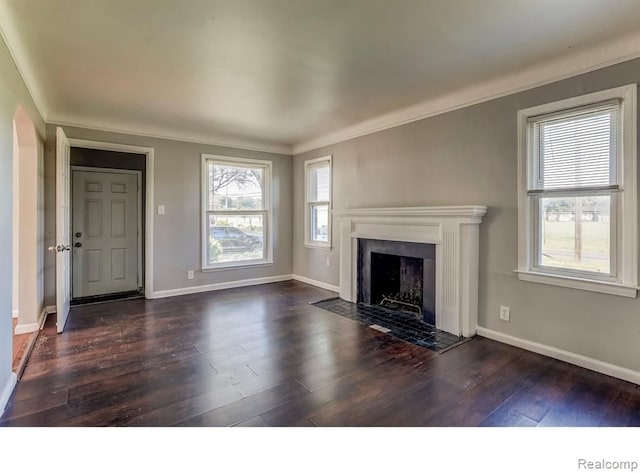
(396, 323)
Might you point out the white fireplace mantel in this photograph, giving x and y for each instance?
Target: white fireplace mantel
(453, 229)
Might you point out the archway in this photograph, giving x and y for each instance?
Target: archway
(28, 226)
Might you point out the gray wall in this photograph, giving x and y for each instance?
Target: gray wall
(12, 92)
(177, 186)
(469, 156)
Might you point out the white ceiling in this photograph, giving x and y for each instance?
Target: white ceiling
(294, 74)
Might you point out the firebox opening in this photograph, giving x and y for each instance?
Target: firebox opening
(396, 282)
(398, 276)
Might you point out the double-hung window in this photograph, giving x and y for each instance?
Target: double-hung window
(236, 219)
(577, 186)
(318, 202)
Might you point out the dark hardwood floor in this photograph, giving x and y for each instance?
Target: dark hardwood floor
(262, 356)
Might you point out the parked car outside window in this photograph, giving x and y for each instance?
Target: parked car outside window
(235, 239)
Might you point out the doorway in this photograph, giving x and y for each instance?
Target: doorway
(62, 247)
(107, 225)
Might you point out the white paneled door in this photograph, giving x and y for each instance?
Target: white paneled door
(105, 231)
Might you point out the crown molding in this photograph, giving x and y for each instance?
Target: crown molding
(151, 132)
(17, 52)
(570, 65)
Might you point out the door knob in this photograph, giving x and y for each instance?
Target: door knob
(59, 248)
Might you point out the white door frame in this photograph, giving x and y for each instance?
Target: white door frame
(138, 175)
(16, 223)
(149, 205)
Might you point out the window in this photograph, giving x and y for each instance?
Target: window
(318, 202)
(577, 192)
(236, 218)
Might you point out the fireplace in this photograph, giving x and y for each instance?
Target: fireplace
(452, 233)
(399, 276)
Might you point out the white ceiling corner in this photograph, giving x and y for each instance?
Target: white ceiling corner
(14, 44)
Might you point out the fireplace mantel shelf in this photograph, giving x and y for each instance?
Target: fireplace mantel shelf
(451, 211)
(454, 232)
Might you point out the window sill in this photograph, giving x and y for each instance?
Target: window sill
(236, 265)
(604, 287)
(313, 246)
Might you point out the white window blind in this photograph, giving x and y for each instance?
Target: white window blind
(575, 149)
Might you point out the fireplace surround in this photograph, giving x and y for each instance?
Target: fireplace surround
(453, 230)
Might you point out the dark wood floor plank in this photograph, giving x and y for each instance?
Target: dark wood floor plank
(248, 407)
(507, 417)
(568, 416)
(256, 421)
(56, 416)
(402, 409)
(36, 404)
(262, 356)
(538, 397)
(186, 408)
(624, 411)
(294, 413)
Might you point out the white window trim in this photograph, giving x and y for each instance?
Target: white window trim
(268, 233)
(626, 241)
(308, 243)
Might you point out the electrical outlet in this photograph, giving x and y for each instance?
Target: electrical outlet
(327, 261)
(190, 274)
(504, 313)
(160, 209)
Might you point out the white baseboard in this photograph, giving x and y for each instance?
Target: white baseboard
(33, 327)
(7, 391)
(26, 328)
(42, 318)
(51, 309)
(219, 286)
(313, 282)
(563, 355)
